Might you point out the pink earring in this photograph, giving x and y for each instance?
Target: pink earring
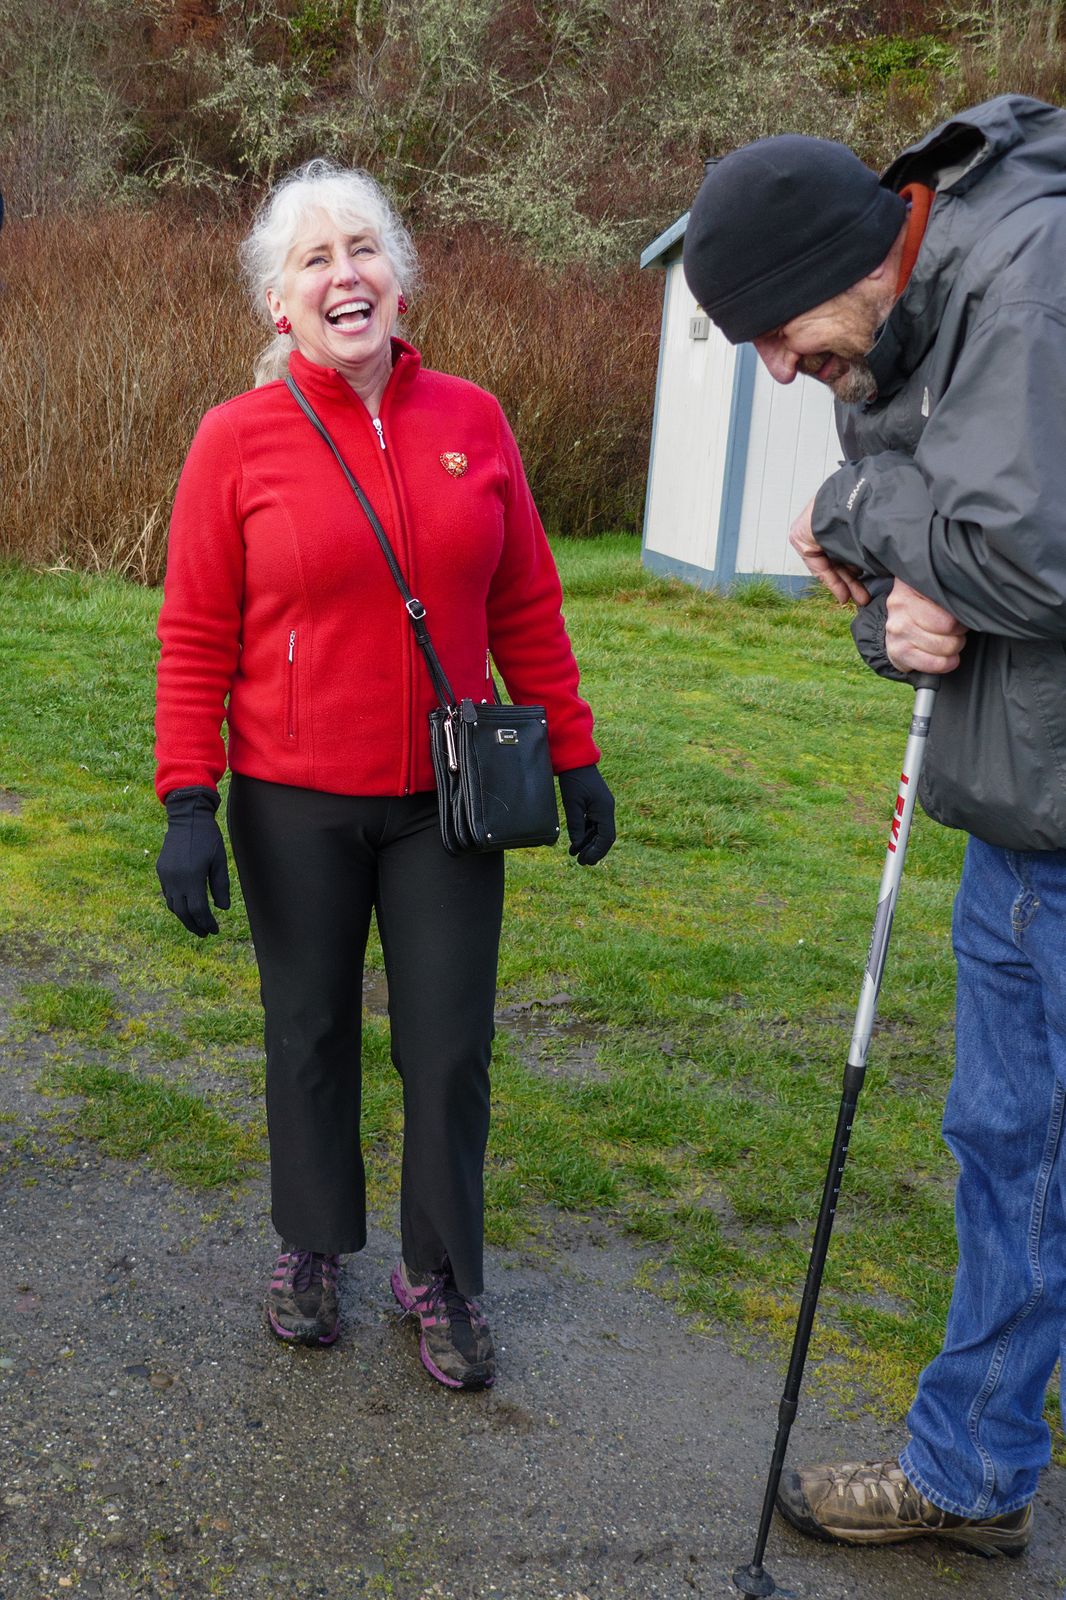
(401, 303)
(283, 325)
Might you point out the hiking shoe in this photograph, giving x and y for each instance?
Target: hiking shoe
(872, 1502)
(455, 1344)
(301, 1303)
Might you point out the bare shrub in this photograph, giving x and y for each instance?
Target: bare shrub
(577, 126)
(66, 126)
(119, 329)
(571, 355)
(1016, 47)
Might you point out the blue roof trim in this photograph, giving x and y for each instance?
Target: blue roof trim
(658, 247)
(736, 464)
(655, 415)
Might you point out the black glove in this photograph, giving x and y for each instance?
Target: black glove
(588, 806)
(193, 856)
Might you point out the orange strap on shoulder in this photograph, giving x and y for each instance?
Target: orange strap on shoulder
(921, 200)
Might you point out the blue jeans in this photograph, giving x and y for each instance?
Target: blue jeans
(978, 1437)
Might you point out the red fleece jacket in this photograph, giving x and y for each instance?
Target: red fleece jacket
(280, 615)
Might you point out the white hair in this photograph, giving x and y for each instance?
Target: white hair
(352, 200)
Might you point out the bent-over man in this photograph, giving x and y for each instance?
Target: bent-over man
(933, 303)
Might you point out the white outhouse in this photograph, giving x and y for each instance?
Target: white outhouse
(734, 455)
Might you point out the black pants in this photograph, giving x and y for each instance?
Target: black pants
(312, 868)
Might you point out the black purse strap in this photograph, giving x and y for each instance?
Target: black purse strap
(416, 611)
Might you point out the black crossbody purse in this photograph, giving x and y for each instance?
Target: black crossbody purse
(491, 762)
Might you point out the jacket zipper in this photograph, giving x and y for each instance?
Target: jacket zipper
(412, 652)
(290, 689)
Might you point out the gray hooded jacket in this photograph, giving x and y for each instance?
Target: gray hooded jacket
(956, 474)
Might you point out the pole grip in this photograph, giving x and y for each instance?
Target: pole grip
(924, 680)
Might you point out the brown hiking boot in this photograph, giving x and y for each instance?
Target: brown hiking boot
(872, 1502)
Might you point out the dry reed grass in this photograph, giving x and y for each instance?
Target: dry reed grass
(571, 356)
(120, 328)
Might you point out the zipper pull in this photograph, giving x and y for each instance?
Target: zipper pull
(292, 645)
(380, 431)
(449, 740)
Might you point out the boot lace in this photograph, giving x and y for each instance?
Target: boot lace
(308, 1266)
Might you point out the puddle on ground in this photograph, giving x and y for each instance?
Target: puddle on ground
(375, 994)
(550, 1041)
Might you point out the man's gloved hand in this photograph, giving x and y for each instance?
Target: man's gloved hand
(588, 806)
(193, 856)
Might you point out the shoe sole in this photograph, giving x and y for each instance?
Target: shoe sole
(288, 1336)
(985, 1542)
(408, 1305)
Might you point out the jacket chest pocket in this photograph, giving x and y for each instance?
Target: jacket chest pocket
(900, 425)
(291, 698)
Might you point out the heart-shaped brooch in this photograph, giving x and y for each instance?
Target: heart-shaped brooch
(455, 462)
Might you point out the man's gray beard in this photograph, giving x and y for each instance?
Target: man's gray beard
(856, 386)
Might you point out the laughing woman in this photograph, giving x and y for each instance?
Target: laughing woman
(281, 617)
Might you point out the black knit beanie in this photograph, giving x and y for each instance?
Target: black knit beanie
(782, 225)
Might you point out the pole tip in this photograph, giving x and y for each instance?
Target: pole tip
(754, 1580)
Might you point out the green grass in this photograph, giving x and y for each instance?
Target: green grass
(145, 1117)
(717, 953)
(84, 1009)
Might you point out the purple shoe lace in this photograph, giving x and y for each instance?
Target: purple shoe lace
(301, 1303)
(443, 1301)
(302, 1267)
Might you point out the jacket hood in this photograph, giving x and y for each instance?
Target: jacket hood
(985, 164)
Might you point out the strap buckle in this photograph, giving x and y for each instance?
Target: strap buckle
(415, 609)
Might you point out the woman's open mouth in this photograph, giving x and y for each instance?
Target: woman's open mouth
(352, 314)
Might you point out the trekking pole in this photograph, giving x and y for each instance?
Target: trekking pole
(754, 1579)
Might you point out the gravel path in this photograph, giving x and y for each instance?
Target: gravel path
(157, 1442)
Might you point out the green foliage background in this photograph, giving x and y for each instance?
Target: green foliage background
(576, 126)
